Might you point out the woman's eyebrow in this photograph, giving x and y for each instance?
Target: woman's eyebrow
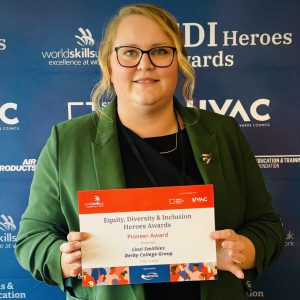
(138, 46)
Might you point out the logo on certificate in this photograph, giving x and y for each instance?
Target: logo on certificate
(149, 276)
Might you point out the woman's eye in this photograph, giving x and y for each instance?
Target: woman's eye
(160, 51)
(131, 53)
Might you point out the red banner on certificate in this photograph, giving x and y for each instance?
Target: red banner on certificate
(147, 235)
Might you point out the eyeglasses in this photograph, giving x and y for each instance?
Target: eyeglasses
(130, 57)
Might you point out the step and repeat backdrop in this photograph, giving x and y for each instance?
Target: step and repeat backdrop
(246, 56)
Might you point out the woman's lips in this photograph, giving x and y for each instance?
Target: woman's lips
(145, 80)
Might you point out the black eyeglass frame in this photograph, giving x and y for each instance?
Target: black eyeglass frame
(148, 53)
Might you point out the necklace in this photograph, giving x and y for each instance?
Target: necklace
(140, 148)
(176, 137)
(176, 144)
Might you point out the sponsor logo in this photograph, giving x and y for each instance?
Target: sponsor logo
(210, 35)
(7, 228)
(28, 165)
(254, 115)
(8, 116)
(83, 56)
(7, 291)
(290, 239)
(2, 44)
(149, 276)
(199, 199)
(77, 108)
(4, 115)
(276, 161)
(81, 108)
(257, 112)
(176, 201)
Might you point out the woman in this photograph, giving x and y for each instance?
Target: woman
(144, 137)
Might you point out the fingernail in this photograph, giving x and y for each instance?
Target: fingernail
(85, 235)
(61, 247)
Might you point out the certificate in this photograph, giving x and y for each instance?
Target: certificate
(147, 235)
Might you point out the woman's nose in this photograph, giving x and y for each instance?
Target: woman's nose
(145, 62)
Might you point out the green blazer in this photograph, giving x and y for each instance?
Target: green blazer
(83, 154)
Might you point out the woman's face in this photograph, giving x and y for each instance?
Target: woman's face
(144, 85)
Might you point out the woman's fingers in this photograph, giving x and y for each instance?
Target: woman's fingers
(234, 252)
(71, 254)
(71, 264)
(230, 249)
(235, 246)
(237, 257)
(71, 258)
(70, 247)
(226, 234)
(77, 236)
(237, 271)
(227, 239)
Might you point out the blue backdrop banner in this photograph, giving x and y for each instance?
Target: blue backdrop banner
(246, 57)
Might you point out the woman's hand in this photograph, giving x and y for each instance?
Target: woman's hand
(235, 252)
(71, 254)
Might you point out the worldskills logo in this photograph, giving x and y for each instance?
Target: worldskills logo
(7, 223)
(86, 38)
(7, 227)
(96, 202)
(83, 56)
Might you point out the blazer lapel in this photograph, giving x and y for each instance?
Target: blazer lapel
(203, 144)
(106, 152)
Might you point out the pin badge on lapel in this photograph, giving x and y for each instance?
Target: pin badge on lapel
(206, 158)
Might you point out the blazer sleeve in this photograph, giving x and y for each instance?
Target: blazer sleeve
(43, 226)
(261, 224)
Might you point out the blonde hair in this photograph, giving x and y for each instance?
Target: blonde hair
(105, 89)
